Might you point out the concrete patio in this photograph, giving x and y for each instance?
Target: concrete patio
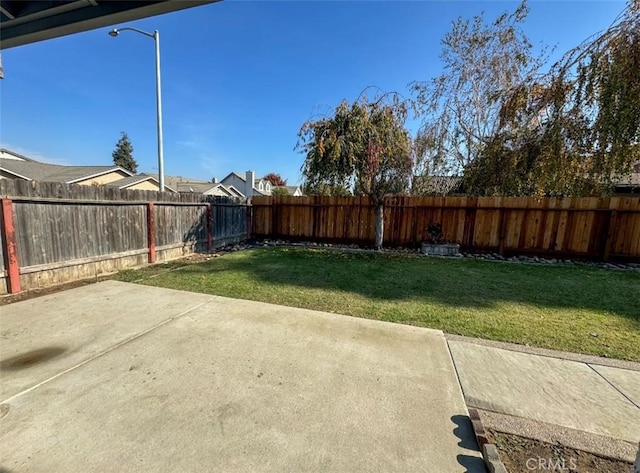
(122, 377)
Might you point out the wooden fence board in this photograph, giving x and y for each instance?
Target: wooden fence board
(579, 227)
(59, 225)
(48, 233)
(180, 224)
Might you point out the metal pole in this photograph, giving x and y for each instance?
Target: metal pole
(156, 37)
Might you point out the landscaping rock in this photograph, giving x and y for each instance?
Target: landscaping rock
(482, 256)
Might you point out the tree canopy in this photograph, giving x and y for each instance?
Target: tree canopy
(576, 129)
(123, 154)
(275, 179)
(323, 189)
(280, 191)
(364, 147)
(512, 130)
(460, 108)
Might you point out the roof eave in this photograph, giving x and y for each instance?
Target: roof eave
(15, 174)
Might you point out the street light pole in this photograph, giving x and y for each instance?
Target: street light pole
(156, 37)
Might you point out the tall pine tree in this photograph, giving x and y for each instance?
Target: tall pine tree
(123, 154)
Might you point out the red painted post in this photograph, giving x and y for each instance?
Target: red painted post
(209, 228)
(151, 232)
(10, 249)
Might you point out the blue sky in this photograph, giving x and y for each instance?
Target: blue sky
(238, 77)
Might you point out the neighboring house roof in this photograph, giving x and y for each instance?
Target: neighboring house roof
(196, 187)
(176, 181)
(208, 188)
(72, 174)
(199, 186)
(8, 154)
(31, 170)
(290, 189)
(130, 181)
(436, 185)
(243, 178)
(236, 174)
(630, 182)
(235, 192)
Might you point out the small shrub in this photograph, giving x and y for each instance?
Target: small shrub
(434, 230)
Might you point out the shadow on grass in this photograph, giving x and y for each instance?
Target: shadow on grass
(457, 283)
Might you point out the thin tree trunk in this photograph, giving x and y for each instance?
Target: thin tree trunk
(379, 225)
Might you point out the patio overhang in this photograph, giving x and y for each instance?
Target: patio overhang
(24, 22)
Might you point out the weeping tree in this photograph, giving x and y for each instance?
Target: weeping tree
(460, 108)
(364, 147)
(575, 130)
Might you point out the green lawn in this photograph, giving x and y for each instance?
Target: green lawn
(572, 308)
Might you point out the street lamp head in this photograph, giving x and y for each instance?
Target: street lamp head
(114, 32)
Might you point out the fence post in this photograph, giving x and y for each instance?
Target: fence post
(151, 232)
(10, 249)
(209, 227)
(248, 222)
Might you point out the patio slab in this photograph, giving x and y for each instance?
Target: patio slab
(551, 390)
(218, 384)
(626, 381)
(43, 337)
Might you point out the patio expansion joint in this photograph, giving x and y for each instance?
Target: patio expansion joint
(612, 385)
(455, 368)
(108, 350)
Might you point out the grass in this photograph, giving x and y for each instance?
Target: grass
(573, 308)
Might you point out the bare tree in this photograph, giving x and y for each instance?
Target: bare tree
(461, 107)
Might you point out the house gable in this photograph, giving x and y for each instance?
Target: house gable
(101, 178)
(142, 182)
(235, 180)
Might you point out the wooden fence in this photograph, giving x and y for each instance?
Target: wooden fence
(54, 233)
(594, 228)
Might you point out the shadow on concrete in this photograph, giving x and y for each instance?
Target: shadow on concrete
(472, 464)
(458, 283)
(464, 432)
(31, 358)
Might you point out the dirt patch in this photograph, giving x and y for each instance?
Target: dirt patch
(43, 291)
(524, 455)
